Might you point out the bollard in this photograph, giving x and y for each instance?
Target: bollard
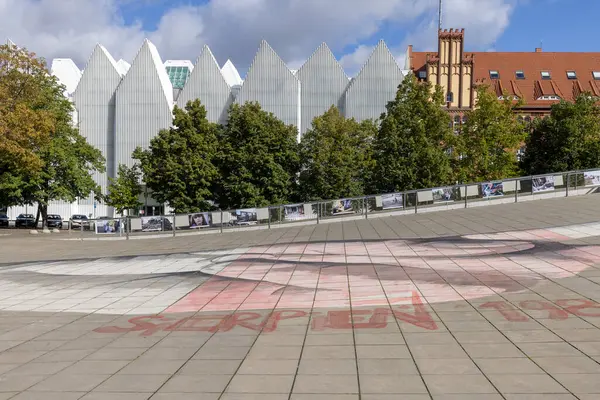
(466, 195)
(517, 190)
(318, 212)
(568, 184)
(269, 220)
(127, 227)
(174, 226)
(221, 221)
(366, 207)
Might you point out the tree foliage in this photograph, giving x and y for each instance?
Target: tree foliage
(62, 162)
(27, 94)
(258, 159)
(489, 140)
(335, 157)
(179, 166)
(411, 147)
(124, 191)
(566, 140)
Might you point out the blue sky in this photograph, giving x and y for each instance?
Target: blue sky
(294, 28)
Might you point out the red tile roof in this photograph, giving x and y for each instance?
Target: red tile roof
(532, 64)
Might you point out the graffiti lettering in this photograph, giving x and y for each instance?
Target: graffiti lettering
(579, 307)
(415, 314)
(508, 311)
(554, 312)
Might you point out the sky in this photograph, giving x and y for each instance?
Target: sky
(294, 28)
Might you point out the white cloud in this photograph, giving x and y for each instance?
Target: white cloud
(234, 28)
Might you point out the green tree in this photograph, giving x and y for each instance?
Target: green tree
(124, 191)
(178, 167)
(568, 139)
(489, 140)
(415, 136)
(335, 157)
(258, 159)
(43, 159)
(29, 98)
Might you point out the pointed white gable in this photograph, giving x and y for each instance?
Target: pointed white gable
(374, 86)
(206, 83)
(160, 69)
(270, 83)
(323, 83)
(231, 74)
(123, 66)
(144, 104)
(67, 73)
(94, 100)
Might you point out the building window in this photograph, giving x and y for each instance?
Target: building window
(520, 153)
(449, 97)
(520, 74)
(546, 75)
(494, 74)
(596, 75)
(464, 119)
(423, 74)
(549, 97)
(571, 75)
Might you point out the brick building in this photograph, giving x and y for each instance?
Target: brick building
(539, 78)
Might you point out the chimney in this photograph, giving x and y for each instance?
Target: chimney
(538, 49)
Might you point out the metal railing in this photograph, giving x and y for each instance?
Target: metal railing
(510, 190)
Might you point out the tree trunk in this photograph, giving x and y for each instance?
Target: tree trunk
(37, 216)
(44, 210)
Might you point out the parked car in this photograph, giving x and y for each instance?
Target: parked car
(25, 221)
(4, 220)
(54, 221)
(80, 220)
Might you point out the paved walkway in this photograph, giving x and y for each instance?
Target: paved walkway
(486, 303)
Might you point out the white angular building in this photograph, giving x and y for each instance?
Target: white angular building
(120, 106)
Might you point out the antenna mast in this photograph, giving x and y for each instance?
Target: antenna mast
(440, 17)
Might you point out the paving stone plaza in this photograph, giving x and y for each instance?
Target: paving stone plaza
(497, 302)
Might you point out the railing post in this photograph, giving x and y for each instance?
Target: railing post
(174, 226)
(318, 212)
(568, 184)
(416, 202)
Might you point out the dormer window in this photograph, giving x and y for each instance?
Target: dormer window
(546, 75)
(520, 74)
(422, 74)
(571, 75)
(549, 97)
(596, 75)
(494, 74)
